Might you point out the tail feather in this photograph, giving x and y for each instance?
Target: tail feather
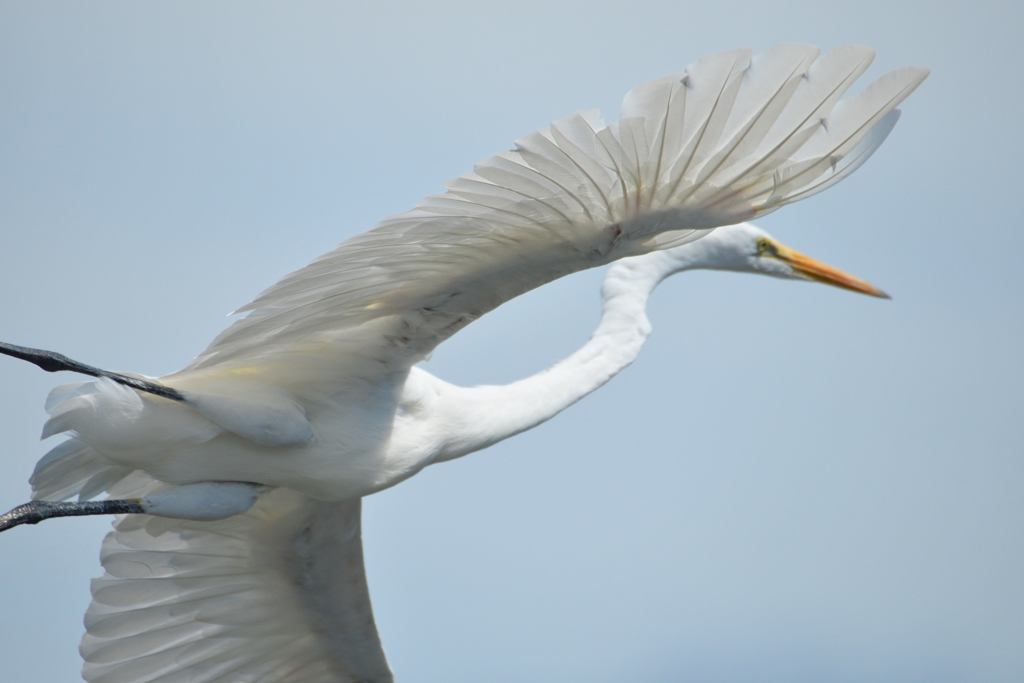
(111, 428)
(74, 467)
(71, 469)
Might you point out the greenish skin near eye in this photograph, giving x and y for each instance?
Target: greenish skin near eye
(765, 247)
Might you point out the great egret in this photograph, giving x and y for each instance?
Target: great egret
(245, 470)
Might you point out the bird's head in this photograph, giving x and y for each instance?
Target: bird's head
(746, 248)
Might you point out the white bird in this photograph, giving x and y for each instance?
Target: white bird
(239, 558)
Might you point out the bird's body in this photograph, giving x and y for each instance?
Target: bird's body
(314, 399)
(372, 432)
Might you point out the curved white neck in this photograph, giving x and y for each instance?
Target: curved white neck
(478, 417)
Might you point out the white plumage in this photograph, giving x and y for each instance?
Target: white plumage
(314, 397)
(277, 594)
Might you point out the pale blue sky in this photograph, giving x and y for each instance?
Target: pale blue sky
(793, 483)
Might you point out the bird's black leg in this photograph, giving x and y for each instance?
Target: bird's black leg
(55, 362)
(38, 510)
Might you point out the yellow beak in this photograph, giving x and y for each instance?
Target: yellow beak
(821, 272)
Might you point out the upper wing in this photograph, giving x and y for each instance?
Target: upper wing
(276, 594)
(729, 139)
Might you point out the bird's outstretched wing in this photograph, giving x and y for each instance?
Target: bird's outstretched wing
(276, 594)
(729, 139)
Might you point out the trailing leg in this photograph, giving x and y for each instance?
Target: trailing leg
(38, 510)
(51, 361)
(204, 502)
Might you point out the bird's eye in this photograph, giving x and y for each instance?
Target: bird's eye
(762, 245)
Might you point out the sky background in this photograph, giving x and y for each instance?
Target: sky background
(792, 483)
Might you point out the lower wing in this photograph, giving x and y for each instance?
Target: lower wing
(276, 594)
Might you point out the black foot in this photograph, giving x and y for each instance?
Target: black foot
(38, 510)
(55, 362)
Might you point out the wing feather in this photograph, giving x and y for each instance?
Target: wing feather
(275, 594)
(731, 138)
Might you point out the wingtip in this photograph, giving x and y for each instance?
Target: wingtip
(914, 74)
